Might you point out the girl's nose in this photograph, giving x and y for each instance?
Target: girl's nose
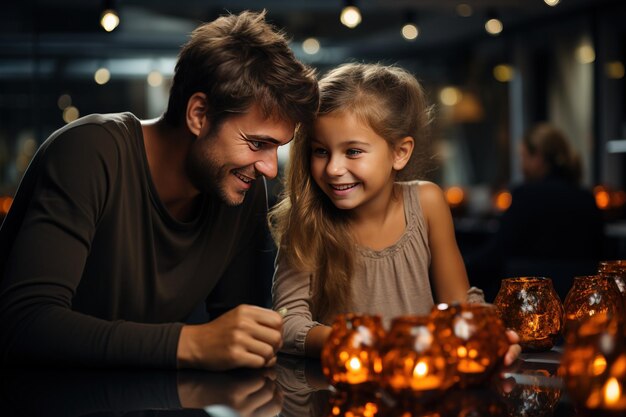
(335, 167)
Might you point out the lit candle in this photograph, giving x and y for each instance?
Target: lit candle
(612, 393)
(422, 380)
(356, 373)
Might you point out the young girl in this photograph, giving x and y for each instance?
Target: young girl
(352, 237)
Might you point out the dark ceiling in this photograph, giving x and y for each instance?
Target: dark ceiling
(70, 27)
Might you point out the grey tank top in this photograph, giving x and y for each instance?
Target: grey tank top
(394, 281)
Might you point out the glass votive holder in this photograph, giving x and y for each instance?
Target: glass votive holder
(473, 338)
(531, 307)
(351, 354)
(414, 361)
(616, 270)
(593, 365)
(591, 295)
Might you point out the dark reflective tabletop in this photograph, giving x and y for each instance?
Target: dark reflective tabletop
(294, 388)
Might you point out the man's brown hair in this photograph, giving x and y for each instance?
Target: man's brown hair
(237, 61)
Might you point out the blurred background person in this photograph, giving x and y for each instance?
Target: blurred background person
(552, 228)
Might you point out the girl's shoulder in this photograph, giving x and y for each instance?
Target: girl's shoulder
(426, 190)
(430, 196)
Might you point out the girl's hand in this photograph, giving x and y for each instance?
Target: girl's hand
(514, 349)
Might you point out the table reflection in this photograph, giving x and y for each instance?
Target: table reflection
(295, 387)
(530, 388)
(69, 392)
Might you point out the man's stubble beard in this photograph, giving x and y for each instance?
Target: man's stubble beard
(205, 172)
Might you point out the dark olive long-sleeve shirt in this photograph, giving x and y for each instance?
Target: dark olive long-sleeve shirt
(96, 271)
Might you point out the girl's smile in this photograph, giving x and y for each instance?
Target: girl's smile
(351, 163)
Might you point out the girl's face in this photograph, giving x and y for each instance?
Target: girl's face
(350, 162)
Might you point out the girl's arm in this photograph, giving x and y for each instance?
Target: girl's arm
(447, 269)
(302, 334)
(448, 275)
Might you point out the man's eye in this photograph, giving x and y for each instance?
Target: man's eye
(256, 144)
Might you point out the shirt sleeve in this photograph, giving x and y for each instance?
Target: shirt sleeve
(65, 193)
(291, 290)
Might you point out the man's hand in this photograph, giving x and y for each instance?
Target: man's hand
(246, 336)
(252, 393)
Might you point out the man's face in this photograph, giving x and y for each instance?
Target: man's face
(243, 148)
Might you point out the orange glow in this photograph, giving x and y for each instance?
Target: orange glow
(354, 364)
(5, 205)
(599, 365)
(619, 198)
(421, 369)
(461, 352)
(455, 196)
(612, 391)
(603, 198)
(503, 200)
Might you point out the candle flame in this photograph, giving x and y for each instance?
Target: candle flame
(461, 351)
(354, 364)
(612, 391)
(599, 365)
(421, 369)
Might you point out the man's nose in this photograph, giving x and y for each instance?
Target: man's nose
(268, 165)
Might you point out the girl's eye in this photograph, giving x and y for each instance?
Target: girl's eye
(354, 152)
(320, 151)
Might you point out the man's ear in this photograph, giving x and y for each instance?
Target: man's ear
(197, 108)
(402, 152)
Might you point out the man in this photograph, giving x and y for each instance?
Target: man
(121, 227)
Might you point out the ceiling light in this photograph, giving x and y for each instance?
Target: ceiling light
(503, 73)
(350, 15)
(311, 46)
(102, 76)
(585, 54)
(464, 10)
(410, 31)
(154, 78)
(493, 25)
(615, 70)
(109, 19)
(551, 3)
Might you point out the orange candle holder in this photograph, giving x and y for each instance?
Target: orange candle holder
(616, 270)
(351, 354)
(414, 360)
(594, 365)
(473, 338)
(591, 295)
(531, 307)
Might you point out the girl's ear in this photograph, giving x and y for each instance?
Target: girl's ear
(402, 152)
(197, 109)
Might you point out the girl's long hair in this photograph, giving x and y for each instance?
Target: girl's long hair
(314, 235)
